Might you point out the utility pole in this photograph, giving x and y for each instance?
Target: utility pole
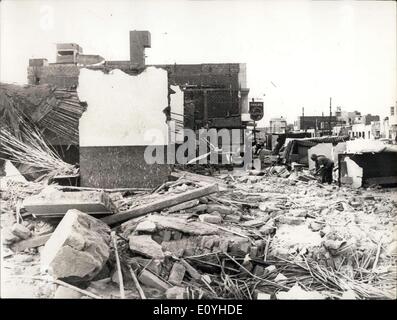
(330, 115)
(303, 119)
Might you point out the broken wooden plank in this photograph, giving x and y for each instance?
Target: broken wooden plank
(200, 179)
(163, 203)
(30, 243)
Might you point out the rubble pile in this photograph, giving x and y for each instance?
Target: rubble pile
(262, 236)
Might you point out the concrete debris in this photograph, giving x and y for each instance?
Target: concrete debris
(176, 293)
(261, 226)
(151, 280)
(177, 274)
(78, 248)
(146, 246)
(52, 202)
(210, 218)
(21, 231)
(146, 226)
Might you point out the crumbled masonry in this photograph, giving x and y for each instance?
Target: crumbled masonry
(268, 236)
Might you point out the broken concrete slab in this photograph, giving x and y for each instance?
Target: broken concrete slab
(210, 218)
(78, 248)
(151, 280)
(146, 246)
(52, 202)
(177, 273)
(182, 225)
(146, 226)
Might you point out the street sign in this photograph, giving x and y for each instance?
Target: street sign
(256, 110)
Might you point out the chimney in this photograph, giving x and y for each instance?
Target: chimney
(139, 40)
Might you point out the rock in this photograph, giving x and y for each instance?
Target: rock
(210, 218)
(270, 269)
(280, 277)
(263, 296)
(182, 225)
(184, 206)
(66, 293)
(176, 293)
(259, 271)
(21, 231)
(8, 237)
(78, 248)
(177, 274)
(146, 246)
(151, 280)
(146, 226)
(239, 245)
(253, 252)
(167, 235)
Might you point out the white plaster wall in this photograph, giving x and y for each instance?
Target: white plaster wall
(123, 109)
(177, 109)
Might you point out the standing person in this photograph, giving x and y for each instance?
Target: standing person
(325, 166)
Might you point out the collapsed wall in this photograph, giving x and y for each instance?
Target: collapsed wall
(125, 114)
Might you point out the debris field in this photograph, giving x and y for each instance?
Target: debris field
(232, 235)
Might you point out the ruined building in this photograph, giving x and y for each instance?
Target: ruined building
(112, 132)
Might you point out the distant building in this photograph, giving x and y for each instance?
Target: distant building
(389, 124)
(278, 125)
(320, 124)
(366, 131)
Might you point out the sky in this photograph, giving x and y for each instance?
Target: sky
(298, 53)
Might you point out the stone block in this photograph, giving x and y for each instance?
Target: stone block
(78, 248)
(210, 218)
(146, 246)
(177, 273)
(151, 280)
(146, 226)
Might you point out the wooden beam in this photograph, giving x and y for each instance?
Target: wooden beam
(30, 243)
(162, 203)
